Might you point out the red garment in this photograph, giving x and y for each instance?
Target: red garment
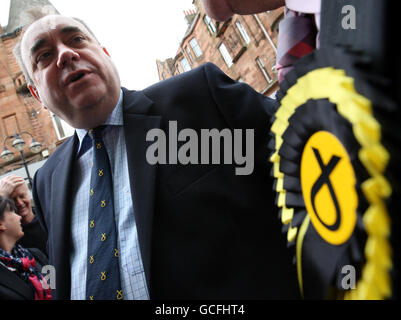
(24, 264)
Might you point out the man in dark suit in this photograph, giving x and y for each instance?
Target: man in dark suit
(194, 231)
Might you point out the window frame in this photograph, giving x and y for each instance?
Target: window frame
(209, 24)
(183, 64)
(243, 33)
(58, 124)
(195, 47)
(263, 69)
(189, 54)
(230, 62)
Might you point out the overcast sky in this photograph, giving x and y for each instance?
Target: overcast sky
(135, 33)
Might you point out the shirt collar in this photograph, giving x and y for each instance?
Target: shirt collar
(115, 119)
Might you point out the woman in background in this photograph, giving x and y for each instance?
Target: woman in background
(20, 277)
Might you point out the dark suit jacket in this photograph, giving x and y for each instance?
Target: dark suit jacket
(12, 287)
(204, 232)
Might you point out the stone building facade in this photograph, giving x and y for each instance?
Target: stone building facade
(19, 111)
(244, 47)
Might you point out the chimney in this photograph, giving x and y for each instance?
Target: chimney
(189, 16)
(19, 12)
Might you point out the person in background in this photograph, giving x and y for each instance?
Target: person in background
(14, 187)
(20, 278)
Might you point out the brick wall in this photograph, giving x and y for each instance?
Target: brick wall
(244, 55)
(19, 111)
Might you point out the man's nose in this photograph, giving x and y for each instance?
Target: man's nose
(66, 56)
(19, 202)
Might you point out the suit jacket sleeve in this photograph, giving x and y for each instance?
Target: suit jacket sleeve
(240, 104)
(242, 108)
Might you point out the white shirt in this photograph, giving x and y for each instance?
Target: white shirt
(132, 274)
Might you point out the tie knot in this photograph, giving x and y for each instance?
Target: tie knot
(96, 133)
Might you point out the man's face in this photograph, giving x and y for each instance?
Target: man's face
(22, 200)
(73, 76)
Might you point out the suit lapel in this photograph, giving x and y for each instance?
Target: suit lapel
(137, 123)
(61, 213)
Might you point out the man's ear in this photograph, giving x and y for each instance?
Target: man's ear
(106, 52)
(2, 226)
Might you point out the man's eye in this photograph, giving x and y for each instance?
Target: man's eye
(43, 56)
(78, 39)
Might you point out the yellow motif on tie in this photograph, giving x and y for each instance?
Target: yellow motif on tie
(103, 276)
(103, 204)
(116, 253)
(101, 173)
(91, 260)
(99, 146)
(103, 237)
(91, 298)
(119, 294)
(92, 224)
(92, 192)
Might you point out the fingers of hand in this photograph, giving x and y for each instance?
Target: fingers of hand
(9, 183)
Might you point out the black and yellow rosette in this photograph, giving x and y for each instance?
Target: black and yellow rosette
(329, 167)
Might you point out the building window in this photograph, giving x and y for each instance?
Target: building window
(195, 47)
(10, 124)
(185, 64)
(226, 55)
(163, 76)
(243, 33)
(63, 130)
(263, 70)
(209, 24)
(189, 53)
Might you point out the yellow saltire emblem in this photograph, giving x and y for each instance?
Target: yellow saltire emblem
(338, 88)
(328, 187)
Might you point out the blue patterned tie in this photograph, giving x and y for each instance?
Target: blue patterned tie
(103, 273)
